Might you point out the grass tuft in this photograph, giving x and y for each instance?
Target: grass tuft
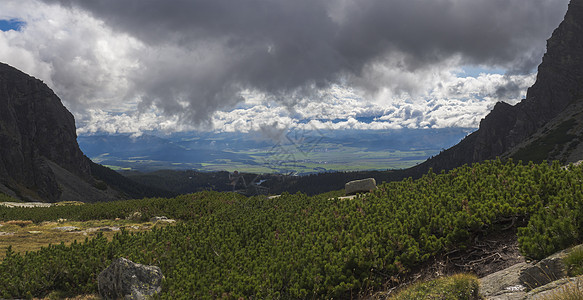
(574, 262)
(458, 287)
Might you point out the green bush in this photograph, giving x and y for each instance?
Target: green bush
(100, 185)
(295, 246)
(6, 198)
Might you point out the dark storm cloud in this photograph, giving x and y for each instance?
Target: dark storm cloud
(209, 50)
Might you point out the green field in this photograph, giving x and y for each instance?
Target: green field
(325, 158)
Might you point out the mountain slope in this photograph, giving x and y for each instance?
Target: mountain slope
(40, 159)
(35, 129)
(555, 98)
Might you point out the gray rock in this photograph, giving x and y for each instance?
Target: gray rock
(547, 270)
(67, 228)
(35, 128)
(547, 290)
(161, 219)
(360, 186)
(527, 280)
(510, 296)
(128, 280)
(505, 284)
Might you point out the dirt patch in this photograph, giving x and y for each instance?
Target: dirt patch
(489, 253)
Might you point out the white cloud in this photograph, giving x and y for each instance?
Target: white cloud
(117, 83)
(99, 121)
(81, 58)
(460, 102)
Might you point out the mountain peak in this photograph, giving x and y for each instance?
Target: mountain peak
(555, 96)
(38, 140)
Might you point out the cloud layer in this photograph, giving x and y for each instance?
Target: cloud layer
(460, 102)
(188, 64)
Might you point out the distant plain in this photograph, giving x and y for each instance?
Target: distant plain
(299, 153)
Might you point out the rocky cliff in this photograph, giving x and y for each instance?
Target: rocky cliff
(546, 122)
(38, 141)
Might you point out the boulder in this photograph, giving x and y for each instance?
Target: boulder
(554, 288)
(360, 186)
(546, 271)
(504, 284)
(128, 280)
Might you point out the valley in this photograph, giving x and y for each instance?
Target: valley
(318, 152)
(143, 205)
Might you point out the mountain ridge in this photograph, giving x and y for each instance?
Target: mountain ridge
(558, 87)
(35, 129)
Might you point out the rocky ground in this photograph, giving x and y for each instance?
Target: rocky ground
(504, 273)
(529, 280)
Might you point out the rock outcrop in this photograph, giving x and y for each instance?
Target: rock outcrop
(40, 159)
(528, 280)
(544, 272)
(554, 289)
(504, 284)
(559, 85)
(35, 128)
(124, 279)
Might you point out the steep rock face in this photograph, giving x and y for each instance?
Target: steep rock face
(35, 128)
(559, 85)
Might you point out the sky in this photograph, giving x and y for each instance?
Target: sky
(138, 66)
